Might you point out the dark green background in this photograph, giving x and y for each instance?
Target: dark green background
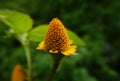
(97, 22)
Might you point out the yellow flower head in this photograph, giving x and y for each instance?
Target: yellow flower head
(56, 39)
(18, 74)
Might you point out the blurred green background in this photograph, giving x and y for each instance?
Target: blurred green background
(97, 22)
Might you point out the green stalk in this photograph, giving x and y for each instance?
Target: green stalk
(57, 58)
(29, 62)
(25, 43)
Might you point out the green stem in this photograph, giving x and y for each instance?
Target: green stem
(57, 59)
(29, 62)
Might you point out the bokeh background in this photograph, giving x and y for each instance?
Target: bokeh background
(97, 22)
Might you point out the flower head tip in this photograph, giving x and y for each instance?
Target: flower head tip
(18, 74)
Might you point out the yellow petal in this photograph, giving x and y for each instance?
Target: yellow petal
(70, 51)
(51, 51)
(41, 46)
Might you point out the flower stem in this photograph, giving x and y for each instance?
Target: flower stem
(57, 59)
(29, 62)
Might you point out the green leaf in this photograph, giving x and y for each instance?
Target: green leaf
(75, 38)
(19, 22)
(38, 34)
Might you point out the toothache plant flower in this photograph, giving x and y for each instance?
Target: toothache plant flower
(56, 39)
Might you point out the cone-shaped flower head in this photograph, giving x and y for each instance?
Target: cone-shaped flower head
(18, 74)
(56, 39)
